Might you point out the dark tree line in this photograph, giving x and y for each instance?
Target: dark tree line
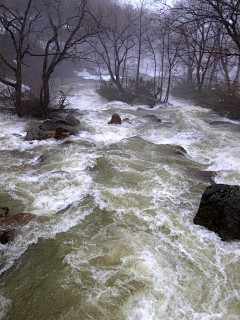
(194, 42)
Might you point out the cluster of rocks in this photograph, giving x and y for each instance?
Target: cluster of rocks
(58, 128)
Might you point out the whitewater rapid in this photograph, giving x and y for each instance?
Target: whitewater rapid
(119, 240)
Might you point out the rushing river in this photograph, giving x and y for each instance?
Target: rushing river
(119, 241)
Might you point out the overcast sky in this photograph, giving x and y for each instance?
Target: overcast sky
(169, 2)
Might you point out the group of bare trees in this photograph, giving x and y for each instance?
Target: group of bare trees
(139, 43)
(49, 31)
(210, 31)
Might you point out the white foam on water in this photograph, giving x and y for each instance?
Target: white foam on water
(35, 230)
(4, 306)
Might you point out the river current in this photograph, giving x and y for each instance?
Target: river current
(119, 240)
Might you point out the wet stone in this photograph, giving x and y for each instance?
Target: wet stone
(219, 211)
(115, 119)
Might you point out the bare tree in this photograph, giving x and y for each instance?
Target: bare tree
(228, 14)
(66, 29)
(229, 63)
(141, 25)
(17, 22)
(116, 39)
(164, 44)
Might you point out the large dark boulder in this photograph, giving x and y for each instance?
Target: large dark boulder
(219, 211)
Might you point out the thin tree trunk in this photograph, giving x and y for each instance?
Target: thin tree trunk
(236, 79)
(18, 88)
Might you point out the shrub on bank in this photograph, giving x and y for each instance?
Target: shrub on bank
(108, 90)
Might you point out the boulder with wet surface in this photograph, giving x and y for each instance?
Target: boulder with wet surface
(219, 211)
(116, 119)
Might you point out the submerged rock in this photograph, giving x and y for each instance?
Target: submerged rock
(152, 117)
(219, 211)
(201, 174)
(3, 212)
(16, 220)
(115, 119)
(12, 224)
(6, 236)
(177, 149)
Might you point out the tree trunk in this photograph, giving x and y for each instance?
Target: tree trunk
(236, 79)
(139, 51)
(18, 88)
(199, 82)
(168, 86)
(18, 100)
(225, 70)
(44, 96)
(119, 85)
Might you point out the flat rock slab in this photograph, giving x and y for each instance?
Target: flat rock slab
(219, 211)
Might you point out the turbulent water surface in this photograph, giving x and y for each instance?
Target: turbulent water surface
(119, 241)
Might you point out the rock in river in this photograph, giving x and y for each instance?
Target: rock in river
(219, 211)
(115, 119)
(11, 224)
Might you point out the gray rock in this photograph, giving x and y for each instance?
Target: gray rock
(34, 134)
(72, 121)
(48, 125)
